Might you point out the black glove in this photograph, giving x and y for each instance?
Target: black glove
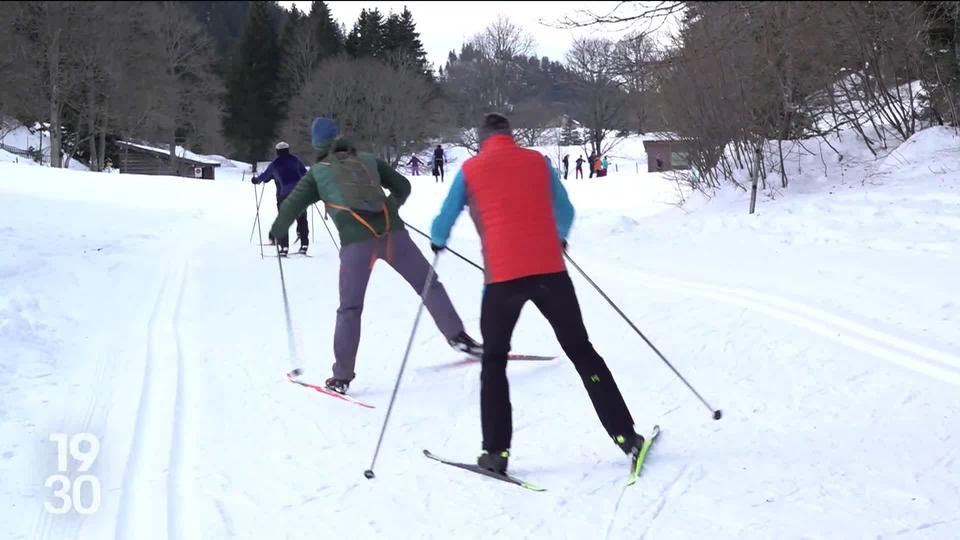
(255, 180)
(437, 249)
(563, 244)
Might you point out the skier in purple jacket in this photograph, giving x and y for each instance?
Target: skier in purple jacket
(287, 170)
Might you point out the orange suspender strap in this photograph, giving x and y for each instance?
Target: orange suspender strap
(366, 224)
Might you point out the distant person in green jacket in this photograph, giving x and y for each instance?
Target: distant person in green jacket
(350, 183)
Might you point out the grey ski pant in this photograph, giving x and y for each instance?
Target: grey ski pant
(356, 264)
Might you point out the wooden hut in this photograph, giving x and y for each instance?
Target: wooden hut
(137, 158)
(666, 152)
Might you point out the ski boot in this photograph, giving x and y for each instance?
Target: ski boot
(465, 344)
(494, 461)
(284, 251)
(303, 249)
(631, 446)
(339, 386)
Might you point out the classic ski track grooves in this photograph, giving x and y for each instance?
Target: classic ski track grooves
(938, 364)
(175, 475)
(148, 503)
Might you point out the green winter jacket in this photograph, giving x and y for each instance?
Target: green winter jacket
(319, 184)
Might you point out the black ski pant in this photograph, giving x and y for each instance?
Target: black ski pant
(303, 230)
(554, 296)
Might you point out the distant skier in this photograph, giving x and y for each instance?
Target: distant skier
(605, 164)
(415, 164)
(438, 160)
(523, 215)
(579, 171)
(566, 165)
(350, 183)
(590, 163)
(597, 166)
(287, 170)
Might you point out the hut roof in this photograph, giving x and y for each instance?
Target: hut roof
(656, 136)
(182, 153)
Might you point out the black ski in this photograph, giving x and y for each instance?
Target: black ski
(490, 474)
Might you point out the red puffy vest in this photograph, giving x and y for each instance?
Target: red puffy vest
(511, 202)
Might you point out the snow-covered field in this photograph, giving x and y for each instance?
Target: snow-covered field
(825, 326)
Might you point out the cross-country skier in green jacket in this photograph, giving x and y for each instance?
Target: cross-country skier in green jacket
(350, 183)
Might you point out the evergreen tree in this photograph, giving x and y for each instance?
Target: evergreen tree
(328, 35)
(251, 115)
(307, 41)
(366, 37)
(402, 45)
(287, 85)
(224, 21)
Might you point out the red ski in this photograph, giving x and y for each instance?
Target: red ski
(323, 390)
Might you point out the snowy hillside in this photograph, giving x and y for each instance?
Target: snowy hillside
(825, 326)
(17, 141)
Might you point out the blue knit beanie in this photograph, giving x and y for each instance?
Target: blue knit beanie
(323, 130)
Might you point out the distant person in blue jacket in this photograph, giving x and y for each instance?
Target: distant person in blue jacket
(287, 170)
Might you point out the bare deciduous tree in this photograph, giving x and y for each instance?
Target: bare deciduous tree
(182, 73)
(47, 35)
(634, 57)
(300, 59)
(489, 77)
(626, 13)
(381, 108)
(500, 46)
(601, 98)
(744, 73)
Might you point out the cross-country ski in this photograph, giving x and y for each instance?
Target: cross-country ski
(503, 477)
(641, 455)
(324, 390)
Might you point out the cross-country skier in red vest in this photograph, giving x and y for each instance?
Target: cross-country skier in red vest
(523, 216)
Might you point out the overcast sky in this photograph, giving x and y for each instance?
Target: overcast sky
(444, 26)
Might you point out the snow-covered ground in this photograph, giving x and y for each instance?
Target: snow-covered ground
(825, 326)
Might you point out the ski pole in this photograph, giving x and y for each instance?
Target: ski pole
(256, 222)
(291, 342)
(253, 227)
(717, 414)
(327, 227)
(259, 233)
(423, 300)
(475, 265)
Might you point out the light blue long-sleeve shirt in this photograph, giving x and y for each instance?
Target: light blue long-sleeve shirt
(563, 211)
